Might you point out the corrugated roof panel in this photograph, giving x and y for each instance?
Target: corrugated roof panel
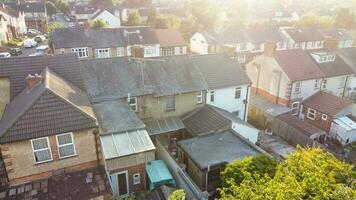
(109, 148)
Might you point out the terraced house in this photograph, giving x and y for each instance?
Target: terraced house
(48, 126)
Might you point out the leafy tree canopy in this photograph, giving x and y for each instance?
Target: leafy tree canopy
(133, 18)
(177, 195)
(305, 174)
(99, 23)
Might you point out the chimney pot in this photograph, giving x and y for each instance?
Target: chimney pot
(330, 44)
(32, 80)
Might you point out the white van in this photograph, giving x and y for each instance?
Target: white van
(28, 43)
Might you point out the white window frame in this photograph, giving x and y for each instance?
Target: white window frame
(295, 110)
(316, 84)
(174, 103)
(199, 97)
(136, 179)
(238, 90)
(324, 117)
(135, 104)
(297, 88)
(61, 50)
(103, 53)
(81, 50)
(120, 51)
(310, 110)
(48, 147)
(63, 145)
(324, 84)
(212, 96)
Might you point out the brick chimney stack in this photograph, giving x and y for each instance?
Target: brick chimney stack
(330, 44)
(270, 49)
(137, 52)
(32, 80)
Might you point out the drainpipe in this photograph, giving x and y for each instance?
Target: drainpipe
(206, 178)
(279, 85)
(246, 102)
(345, 84)
(258, 67)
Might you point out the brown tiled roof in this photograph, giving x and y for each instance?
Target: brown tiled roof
(170, 37)
(298, 64)
(326, 103)
(305, 34)
(302, 126)
(17, 68)
(50, 107)
(335, 68)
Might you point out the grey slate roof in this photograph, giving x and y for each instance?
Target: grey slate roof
(115, 78)
(50, 107)
(116, 117)
(336, 33)
(219, 71)
(349, 57)
(217, 148)
(335, 68)
(104, 38)
(17, 69)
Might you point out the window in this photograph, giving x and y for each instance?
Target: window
(295, 108)
(61, 50)
(136, 179)
(41, 150)
(237, 93)
(170, 103)
(311, 114)
(65, 145)
(150, 51)
(297, 87)
(120, 51)
(82, 52)
(212, 96)
(316, 85)
(103, 53)
(167, 51)
(324, 117)
(199, 97)
(133, 103)
(324, 84)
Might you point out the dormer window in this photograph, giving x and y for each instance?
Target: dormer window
(323, 57)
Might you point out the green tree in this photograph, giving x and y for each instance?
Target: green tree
(99, 23)
(305, 174)
(102, 3)
(311, 19)
(344, 18)
(166, 21)
(51, 8)
(189, 26)
(133, 18)
(177, 195)
(55, 25)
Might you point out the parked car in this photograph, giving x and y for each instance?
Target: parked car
(28, 43)
(41, 50)
(5, 55)
(33, 32)
(36, 54)
(40, 38)
(15, 51)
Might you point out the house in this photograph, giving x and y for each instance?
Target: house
(284, 16)
(106, 43)
(342, 36)
(204, 163)
(171, 42)
(12, 23)
(126, 146)
(336, 71)
(35, 14)
(348, 55)
(49, 124)
(285, 77)
(83, 13)
(303, 38)
(229, 86)
(241, 43)
(105, 15)
(343, 129)
(322, 108)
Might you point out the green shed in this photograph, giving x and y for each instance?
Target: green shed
(158, 175)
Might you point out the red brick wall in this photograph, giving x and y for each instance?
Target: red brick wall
(269, 96)
(318, 121)
(133, 170)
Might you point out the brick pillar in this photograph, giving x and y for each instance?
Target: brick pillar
(54, 149)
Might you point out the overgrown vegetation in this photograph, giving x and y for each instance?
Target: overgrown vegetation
(306, 174)
(99, 23)
(177, 195)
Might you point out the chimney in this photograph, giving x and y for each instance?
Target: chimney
(137, 52)
(32, 80)
(330, 44)
(2, 5)
(270, 49)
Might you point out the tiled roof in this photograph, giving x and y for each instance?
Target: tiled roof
(115, 78)
(305, 34)
(298, 64)
(335, 33)
(100, 38)
(116, 117)
(50, 107)
(17, 69)
(349, 57)
(206, 120)
(170, 38)
(335, 68)
(31, 7)
(220, 71)
(326, 103)
(302, 126)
